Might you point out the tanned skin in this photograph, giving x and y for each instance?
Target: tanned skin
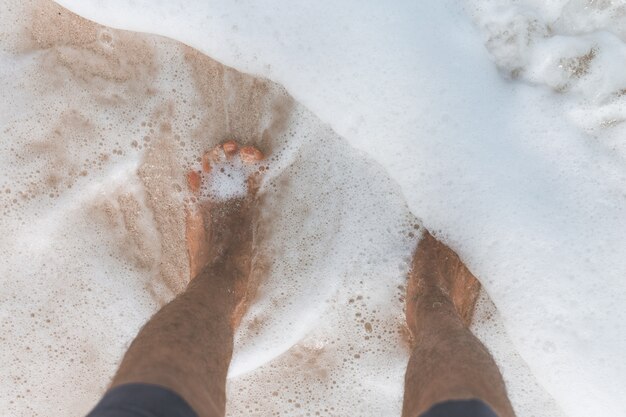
(447, 361)
(187, 346)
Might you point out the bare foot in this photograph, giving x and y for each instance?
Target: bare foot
(221, 217)
(438, 277)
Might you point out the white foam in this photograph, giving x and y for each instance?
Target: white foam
(533, 202)
(500, 168)
(229, 181)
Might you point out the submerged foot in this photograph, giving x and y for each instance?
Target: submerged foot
(438, 277)
(221, 217)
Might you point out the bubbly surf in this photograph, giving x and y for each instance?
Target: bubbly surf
(497, 124)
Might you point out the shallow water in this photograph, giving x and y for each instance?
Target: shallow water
(99, 126)
(501, 122)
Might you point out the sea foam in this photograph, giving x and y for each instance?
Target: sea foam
(532, 201)
(518, 166)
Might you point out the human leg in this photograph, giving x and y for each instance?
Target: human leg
(447, 362)
(186, 347)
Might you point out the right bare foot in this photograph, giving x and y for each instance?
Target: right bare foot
(221, 217)
(439, 277)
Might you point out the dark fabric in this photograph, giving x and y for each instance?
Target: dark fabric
(142, 400)
(460, 408)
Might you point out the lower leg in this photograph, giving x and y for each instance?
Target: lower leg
(186, 347)
(188, 344)
(447, 362)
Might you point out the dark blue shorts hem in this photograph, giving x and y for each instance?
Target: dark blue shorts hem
(460, 408)
(142, 400)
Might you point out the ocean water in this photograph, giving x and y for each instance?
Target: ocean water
(495, 124)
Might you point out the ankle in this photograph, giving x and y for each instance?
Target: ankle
(213, 286)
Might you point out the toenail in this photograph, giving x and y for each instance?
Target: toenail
(250, 154)
(230, 148)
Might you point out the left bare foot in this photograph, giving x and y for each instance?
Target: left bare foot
(221, 218)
